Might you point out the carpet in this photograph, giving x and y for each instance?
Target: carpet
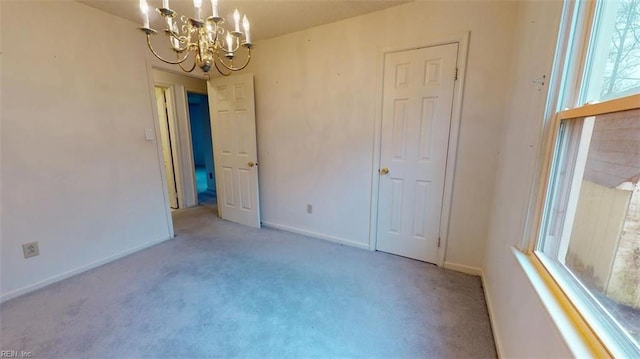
(224, 290)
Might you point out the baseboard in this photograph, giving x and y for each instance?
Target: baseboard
(56, 278)
(492, 320)
(308, 233)
(463, 268)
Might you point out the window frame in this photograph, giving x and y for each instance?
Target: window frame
(567, 88)
(617, 342)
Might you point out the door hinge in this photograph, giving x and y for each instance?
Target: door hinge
(438, 242)
(456, 76)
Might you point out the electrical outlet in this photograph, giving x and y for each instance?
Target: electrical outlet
(309, 208)
(30, 249)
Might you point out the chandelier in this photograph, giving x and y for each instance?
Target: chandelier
(206, 40)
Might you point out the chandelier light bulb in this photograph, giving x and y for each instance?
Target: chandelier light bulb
(165, 4)
(214, 8)
(197, 4)
(144, 8)
(210, 32)
(247, 27)
(236, 18)
(229, 43)
(174, 28)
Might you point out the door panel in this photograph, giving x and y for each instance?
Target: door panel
(416, 117)
(233, 128)
(167, 148)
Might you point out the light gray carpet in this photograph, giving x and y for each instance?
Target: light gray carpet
(223, 290)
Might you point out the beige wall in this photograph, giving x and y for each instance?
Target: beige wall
(624, 285)
(595, 234)
(77, 175)
(316, 105)
(522, 325)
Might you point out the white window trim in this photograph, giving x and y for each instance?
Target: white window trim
(578, 307)
(579, 337)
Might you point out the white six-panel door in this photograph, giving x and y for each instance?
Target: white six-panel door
(416, 116)
(233, 127)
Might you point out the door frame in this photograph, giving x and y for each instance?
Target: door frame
(463, 46)
(172, 131)
(185, 177)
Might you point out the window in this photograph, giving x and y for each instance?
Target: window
(613, 68)
(589, 237)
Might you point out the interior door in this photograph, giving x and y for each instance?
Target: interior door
(167, 151)
(416, 117)
(233, 127)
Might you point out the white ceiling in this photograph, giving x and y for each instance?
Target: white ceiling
(269, 18)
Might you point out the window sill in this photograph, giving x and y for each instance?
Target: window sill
(578, 336)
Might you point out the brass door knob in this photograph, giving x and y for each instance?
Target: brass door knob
(251, 164)
(383, 170)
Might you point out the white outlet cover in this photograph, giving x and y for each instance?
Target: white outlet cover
(148, 134)
(30, 249)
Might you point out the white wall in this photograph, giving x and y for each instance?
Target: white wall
(522, 325)
(77, 173)
(315, 110)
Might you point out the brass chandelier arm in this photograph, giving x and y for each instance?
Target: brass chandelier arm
(230, 67)
(202, 39)
(180, 39)
(220, 70)
(178, 62)
(183, 68)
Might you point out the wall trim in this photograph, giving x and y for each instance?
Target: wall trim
(59, 277)
(492, 317)
(477, 271)
(313, 234)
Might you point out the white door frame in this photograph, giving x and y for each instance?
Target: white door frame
(152, 65)
(183, 162)
(463, 46)
(168, 93)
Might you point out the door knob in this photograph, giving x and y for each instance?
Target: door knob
(383, 170)
(251, 164)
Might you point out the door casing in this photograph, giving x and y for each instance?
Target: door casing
(463, 46)
(167, 126)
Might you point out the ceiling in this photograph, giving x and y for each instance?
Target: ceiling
(269, 18)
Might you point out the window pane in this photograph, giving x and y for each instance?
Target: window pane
(592, 217)
(614, 59)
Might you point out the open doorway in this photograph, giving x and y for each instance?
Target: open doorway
(174, 135)
(202, 147)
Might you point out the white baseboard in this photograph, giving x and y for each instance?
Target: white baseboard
(463, 268)
(316, 235)
(71, 273)
(492, 318)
